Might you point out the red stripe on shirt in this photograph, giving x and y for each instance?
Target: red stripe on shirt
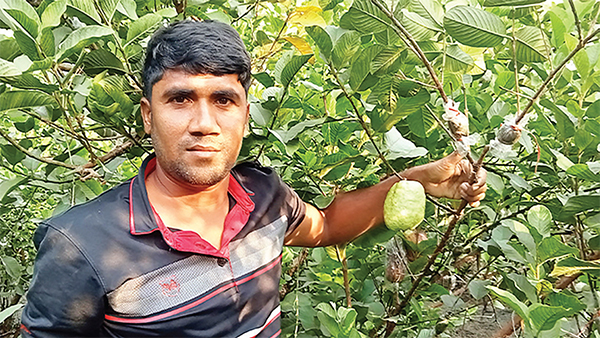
(196, 303)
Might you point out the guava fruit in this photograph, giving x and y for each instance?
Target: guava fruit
(404, 206)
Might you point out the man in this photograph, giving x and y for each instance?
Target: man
(191, 247)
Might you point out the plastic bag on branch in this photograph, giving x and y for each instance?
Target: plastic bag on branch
(507, 135)
(458, 123)
(395, 266)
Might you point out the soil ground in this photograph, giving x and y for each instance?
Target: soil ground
(483, 324)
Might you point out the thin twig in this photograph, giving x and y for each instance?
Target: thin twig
(577, 23)
(363, 123)
(32, 155)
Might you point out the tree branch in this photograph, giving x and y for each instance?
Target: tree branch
(415, 47)
(537, 95)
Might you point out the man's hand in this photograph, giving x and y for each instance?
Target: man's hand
(449, 177)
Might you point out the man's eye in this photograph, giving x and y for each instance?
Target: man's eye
(180, 99)
(223, 101)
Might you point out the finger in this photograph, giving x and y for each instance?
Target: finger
(469, 194)
(474, 204)
(453, 158)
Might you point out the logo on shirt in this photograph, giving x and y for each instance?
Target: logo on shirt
(169, 286)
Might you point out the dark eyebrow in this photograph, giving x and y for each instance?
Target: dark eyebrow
(174, 92)
(227, 93)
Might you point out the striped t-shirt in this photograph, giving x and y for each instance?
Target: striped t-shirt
(110, 267)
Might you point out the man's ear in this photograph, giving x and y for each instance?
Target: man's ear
(247, 124)
(146, 110)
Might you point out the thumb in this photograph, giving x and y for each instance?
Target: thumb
(453, 158)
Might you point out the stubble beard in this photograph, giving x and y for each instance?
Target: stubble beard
(208, 173)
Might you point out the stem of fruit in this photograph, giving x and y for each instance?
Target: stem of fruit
(401, 31)
(441, 245)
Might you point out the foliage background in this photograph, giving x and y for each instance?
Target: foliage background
(339, 99)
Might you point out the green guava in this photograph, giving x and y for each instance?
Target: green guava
(404, 206)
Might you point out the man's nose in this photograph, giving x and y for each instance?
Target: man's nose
(204, 119)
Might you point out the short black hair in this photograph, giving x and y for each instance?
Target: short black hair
(196, 47)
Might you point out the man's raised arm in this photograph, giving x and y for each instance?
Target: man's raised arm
(353, 213)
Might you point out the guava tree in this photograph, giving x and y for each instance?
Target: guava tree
(345, 93)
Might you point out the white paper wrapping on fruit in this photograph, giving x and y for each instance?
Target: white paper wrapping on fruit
(457, 121)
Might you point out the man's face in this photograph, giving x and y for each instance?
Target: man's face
(197, 124)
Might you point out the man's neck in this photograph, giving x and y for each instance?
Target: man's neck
(187, 207)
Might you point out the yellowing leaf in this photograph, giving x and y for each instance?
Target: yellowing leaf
(300, 44)
(307, 16)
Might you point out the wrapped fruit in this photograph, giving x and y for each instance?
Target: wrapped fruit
(457, 121)
(394, 268)
(508, 133)
(404, 206)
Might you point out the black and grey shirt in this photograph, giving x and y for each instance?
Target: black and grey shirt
(110, 267)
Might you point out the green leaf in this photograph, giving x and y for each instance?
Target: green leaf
(292, 67)
(388, 60)
(142, 27)
(321, 39)
(344, 49)
(8, 69)
(420, 29)
(408, 105)
(9, 49)
(474, 27)
(519, 307)
(100, 60)
(493, 3)
(28, 81)
(265, 79)
(326, 316)
(108, 7)
(583, 172)
(85, 10)
(544, 317)
(19, 99)
(570, 303)
(552, 248)
(366, 17)
(46, 40)
(577, 204)
(80, 39)
(25, 17)
(420, 122)
(9, 185)
(457, 60)
(127, 8)
(564, 125)
(9, 311)
(27, 45)
(52, 14)
(540, 218)
(431, 10)
(361, 67)
(13, 268)
(478, 288)
(531, 44)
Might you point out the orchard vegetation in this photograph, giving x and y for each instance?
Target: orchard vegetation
(345, 94)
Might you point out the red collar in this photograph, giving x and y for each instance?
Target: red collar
(185, 240)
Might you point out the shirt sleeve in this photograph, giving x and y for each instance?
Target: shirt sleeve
(66, 297)
(295, 207)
